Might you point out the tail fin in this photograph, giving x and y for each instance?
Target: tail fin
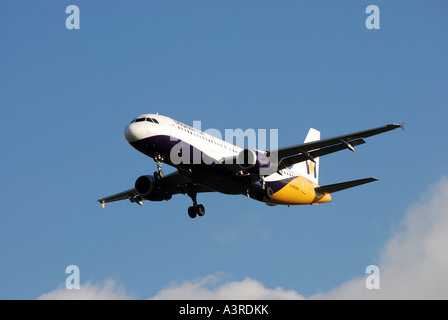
(308, 168)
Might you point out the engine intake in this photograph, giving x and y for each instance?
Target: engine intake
(144, 186)
(149, 188)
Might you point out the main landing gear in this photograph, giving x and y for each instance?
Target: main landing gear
(159, 173)
(265, 192)
(195, 209)
(261, 194)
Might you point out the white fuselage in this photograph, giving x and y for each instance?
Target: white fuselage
(214, 147)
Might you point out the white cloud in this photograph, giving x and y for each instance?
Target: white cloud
(413, 265)
(109, 290)
(212, 287)
(208, 289)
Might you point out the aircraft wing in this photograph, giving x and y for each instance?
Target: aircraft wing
(173, 183)
(128, 194)
(310, 150)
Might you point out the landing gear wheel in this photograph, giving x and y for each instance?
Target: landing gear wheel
(196, 209)
(259, 195)
(268, 193)
(192, 212)
(200, 210)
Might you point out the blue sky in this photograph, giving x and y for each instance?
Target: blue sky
(66, 96)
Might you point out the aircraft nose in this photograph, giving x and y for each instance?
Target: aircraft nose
(135, 131)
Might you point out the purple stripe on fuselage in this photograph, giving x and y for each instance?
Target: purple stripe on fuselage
(279, 184)
(163, 145)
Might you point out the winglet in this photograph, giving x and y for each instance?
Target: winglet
(402, 126)
(102, 203)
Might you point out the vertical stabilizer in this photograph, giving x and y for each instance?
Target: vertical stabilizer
(308, 168)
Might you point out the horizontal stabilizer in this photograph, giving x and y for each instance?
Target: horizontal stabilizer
(343, 185)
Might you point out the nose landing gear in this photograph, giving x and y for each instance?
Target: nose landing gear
(159, 173)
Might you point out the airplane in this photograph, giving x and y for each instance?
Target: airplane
(283, 176)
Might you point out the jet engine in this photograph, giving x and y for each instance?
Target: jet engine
(251, 160)
(147, 187)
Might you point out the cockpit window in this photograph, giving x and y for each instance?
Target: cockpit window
(152, 120)
(145, 119)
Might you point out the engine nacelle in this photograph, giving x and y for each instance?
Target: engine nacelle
(252, 160)
(147, 187)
